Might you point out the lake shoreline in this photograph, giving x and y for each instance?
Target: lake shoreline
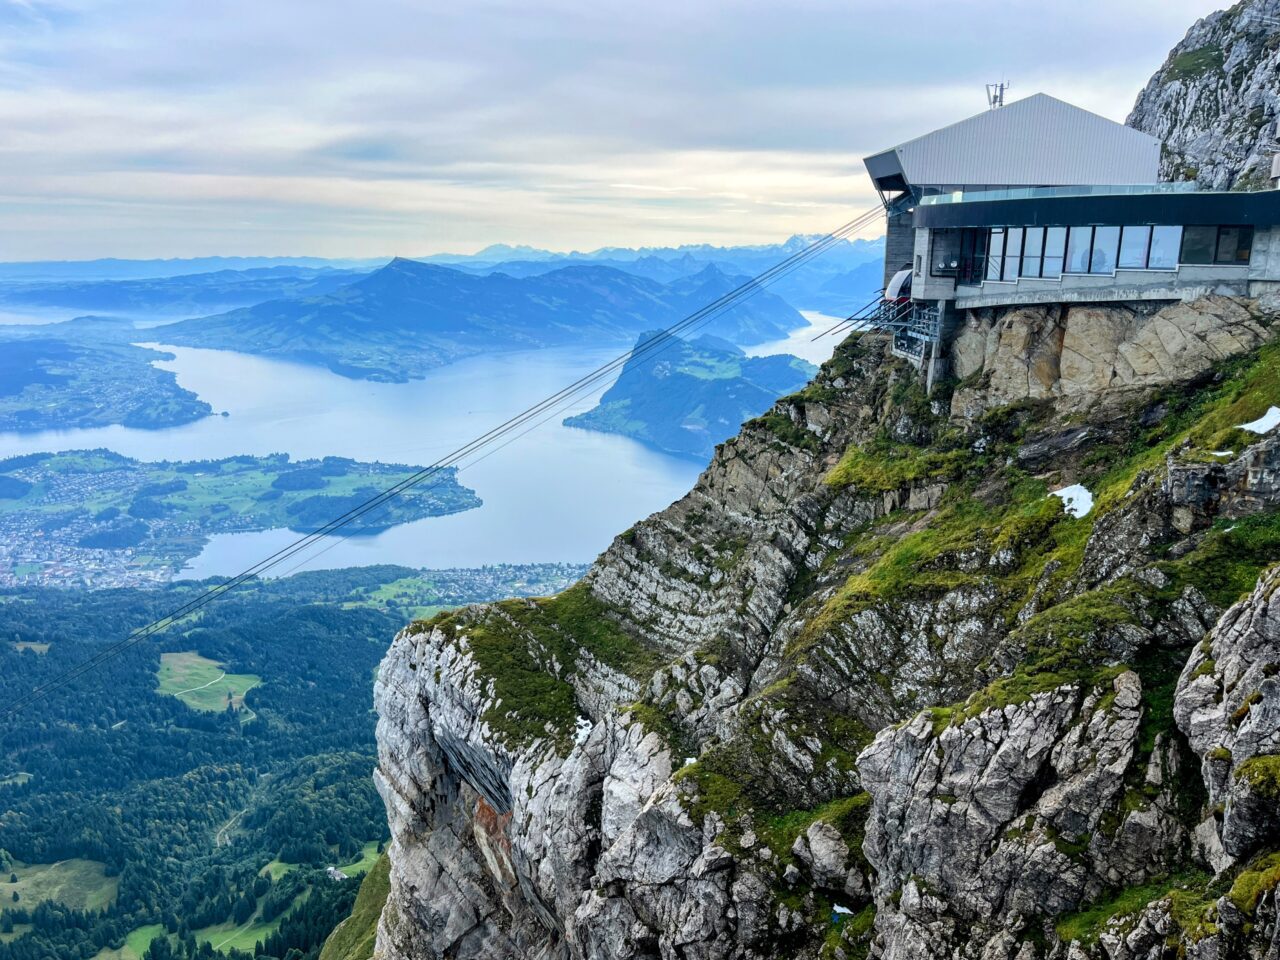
(572, 492)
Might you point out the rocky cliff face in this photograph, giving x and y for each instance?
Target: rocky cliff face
(869, 690)
(1215, 100)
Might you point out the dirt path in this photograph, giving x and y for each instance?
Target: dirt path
(203, 685)
(220, 838)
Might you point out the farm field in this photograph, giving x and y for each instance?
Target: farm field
(203, 684)
(277, 869)
(228, 935)
(354, 938)
(18, 930)
(135, 944)
(22, 645)
(79, 884)
(368, 857)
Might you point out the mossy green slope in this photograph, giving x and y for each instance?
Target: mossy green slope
(907, 509)
(354, 938)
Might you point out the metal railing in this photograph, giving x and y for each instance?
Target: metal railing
(1078, 190)
(914, 326)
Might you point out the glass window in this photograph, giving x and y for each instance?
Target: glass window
(973, 250)
(1079, 239)
(1134, 243)
(1105, 242)
(1165, 243)
(1055, 248)
(995, 253)
(1032, 247)
(1199, 244)
(1012, 253)
(1244, 249)
(1234, 244)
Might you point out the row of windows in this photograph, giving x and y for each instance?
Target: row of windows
(1010, 253)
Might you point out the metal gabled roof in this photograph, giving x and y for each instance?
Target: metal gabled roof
(1037, 141)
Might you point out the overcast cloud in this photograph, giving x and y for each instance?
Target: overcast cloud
(159, 128)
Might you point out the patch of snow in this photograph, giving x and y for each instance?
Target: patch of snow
(1076, 499)
(843, 911)
(1265, 423)
(582, 729)
(1222, 453)
(690, 761)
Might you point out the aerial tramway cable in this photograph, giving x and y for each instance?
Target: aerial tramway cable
(518, 425)
(861, 313)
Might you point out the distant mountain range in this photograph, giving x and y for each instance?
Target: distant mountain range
(409, 316)
(178, 296)
(111, 268)
(841, 278)
(838, 281)
(689, 396)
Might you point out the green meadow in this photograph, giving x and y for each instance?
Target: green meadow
(79, 884)
(203, 684)
(135, 944)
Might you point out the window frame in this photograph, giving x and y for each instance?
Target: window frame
(1037, 258)
(1010, 254)
(1060, 256)
(1094, 250)
(1177, 247)
(1088, 253)
(1242, 231)
(993, 258)
(1206, 236)
(1011, 269)
(974, 243)
(1132, 228)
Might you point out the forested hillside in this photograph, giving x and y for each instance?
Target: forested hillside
(696, 394)
(409, 316)
(138, 805)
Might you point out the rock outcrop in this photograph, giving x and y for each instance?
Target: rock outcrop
(1215, 100)
(981, 829)
(868, 690)
(1228, 705)
(1082, 354)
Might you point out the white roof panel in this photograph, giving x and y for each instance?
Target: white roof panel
(1038, 141)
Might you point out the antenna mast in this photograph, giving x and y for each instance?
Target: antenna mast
(995, 94)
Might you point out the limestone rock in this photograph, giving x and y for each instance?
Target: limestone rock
(1215, 100)
(1081, 354)
(693, 785)
(1228, 705)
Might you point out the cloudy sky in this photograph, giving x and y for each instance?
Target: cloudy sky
(147, 128)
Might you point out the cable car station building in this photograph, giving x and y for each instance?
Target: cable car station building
(1043, 202)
